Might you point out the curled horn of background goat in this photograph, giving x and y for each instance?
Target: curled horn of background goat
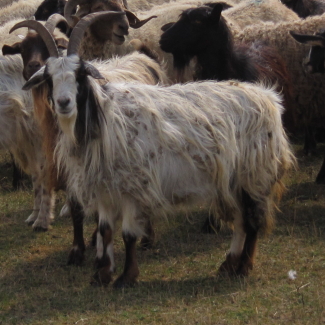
(80, 28)
(134, 21)
(53, 21)
(43, 32)
(68, 9)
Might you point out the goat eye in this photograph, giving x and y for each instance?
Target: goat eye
(197, 22)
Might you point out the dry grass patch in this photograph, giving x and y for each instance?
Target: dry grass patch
(178, 283)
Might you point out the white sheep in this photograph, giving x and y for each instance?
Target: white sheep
(135, 151)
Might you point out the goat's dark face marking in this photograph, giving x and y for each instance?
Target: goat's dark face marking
(315, 61)
(33, 51)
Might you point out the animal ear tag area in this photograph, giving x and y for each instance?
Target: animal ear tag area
(21, 36)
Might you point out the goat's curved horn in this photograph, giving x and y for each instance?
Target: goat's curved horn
(53, 21)
(125, 3)
(134, 21)
(79, 30)
(43, 32)
(68, 9)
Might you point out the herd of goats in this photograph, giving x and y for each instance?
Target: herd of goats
(135, 109)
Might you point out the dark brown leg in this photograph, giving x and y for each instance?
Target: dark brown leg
(104, 259)
(148, 239)
(77, 254)
(131, 270)
(251, 226)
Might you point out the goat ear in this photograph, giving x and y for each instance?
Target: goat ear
(62, 43)
(36, 79)
(225, 5)
(134, 21)
(312, 40)
(216, 13)
(92, 71)
(10, 50)
(167, 26)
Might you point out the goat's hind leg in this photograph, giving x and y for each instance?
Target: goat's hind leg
(252, 212)
(132, 229)
(231, 264)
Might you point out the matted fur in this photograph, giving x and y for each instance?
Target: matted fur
(23, 9)
(308, 90)
(157, 147)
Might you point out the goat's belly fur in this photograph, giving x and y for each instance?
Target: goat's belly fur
(199, 142)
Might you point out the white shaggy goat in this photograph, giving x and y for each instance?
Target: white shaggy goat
(92, 47)
(135, 67)
(133, 151)
(22, 9)
(20, 133)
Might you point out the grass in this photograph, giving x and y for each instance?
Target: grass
(178, 283)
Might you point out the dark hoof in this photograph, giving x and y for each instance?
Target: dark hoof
(76, 257)
(211, 226)
(102, 277)
(146, 243)
(40, 229)
(243, 270)
(121, 282)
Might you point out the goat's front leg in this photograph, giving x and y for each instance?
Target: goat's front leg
(45, 215)
(37, 189)
(104, 261)
(131, 270)
(77, 254)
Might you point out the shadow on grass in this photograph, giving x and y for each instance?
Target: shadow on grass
(45, 289)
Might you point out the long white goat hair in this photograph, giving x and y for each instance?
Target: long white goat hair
(186, 143)
(16, 107)
(23, 9)
(21, 135)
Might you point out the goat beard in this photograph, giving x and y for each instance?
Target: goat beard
(67, 125)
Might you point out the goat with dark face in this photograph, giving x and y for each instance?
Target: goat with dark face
(48, 8)
(32, 48)
(314, 63)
